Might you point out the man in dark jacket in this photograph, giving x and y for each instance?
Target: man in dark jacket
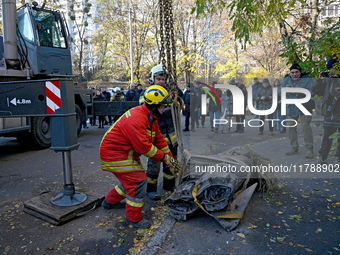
(107, 96)
(198, 114)
(256, 85)
(240, 119)
(297, 79)
(215, 109)
(264, 97)
(189, 99)
(139, 90)
(329, 89)
(132, 94)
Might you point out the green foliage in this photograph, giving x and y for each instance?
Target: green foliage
(258, 72)
(229, 70)
(313, 52)
(249, 16)
(208, 6)
(111, 41)
(305, 38)
(335, 137)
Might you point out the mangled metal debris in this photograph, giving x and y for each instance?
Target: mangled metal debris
(214, 189)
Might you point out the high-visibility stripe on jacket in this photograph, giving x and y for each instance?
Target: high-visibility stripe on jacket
(129, 138)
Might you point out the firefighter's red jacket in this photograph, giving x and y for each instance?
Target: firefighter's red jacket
(129, 138)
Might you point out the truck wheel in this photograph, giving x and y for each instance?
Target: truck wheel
(79, 119)
(41, 131)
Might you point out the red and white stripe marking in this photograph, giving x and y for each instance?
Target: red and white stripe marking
(53, 100)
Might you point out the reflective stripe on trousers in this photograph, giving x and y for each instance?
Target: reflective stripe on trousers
(132, 186)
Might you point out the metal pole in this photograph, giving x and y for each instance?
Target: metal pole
(131, 46)
(68, 179)
(69, 196)
(10, 35)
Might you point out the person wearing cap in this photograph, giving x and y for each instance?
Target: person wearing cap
(264, 97)
(328, 86)
(136, 133)
(297, 79)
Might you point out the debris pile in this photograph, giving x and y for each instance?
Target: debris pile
(212, 183)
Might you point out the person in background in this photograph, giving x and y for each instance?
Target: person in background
(99, 97)
(190, 103)
(297, 79)
(132, 94)
(264, 97)
(215, 109)
(139, 90)
(328, 86)
(123, 93)
(277, 114)
(119, 96)
(240, 118)
(256, 85)
(107, 96)
(201, 116)
(93, 119)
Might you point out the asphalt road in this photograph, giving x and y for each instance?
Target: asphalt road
(25, 174)
(300, 217)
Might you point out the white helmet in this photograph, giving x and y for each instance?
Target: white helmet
(156, 70)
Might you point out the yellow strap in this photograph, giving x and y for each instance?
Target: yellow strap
(226, 216)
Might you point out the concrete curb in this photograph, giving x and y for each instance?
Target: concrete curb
(156, 241)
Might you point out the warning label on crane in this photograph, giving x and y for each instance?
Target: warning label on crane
(53, 99)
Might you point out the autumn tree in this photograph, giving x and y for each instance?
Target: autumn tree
(265, 50)
(114, 49)
(196, 38)
(79, 14)
(304, 38)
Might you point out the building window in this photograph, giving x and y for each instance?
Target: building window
(330, 10)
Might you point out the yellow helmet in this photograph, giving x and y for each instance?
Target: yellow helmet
(156, 95)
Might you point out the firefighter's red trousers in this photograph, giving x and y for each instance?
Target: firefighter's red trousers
(132, 186)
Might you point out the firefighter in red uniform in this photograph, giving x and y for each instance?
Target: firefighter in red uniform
(135, 133)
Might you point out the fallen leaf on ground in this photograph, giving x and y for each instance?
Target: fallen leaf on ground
(241, 235)
(252, 226)
(295, 217)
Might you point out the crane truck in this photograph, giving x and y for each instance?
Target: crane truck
(35, 47)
